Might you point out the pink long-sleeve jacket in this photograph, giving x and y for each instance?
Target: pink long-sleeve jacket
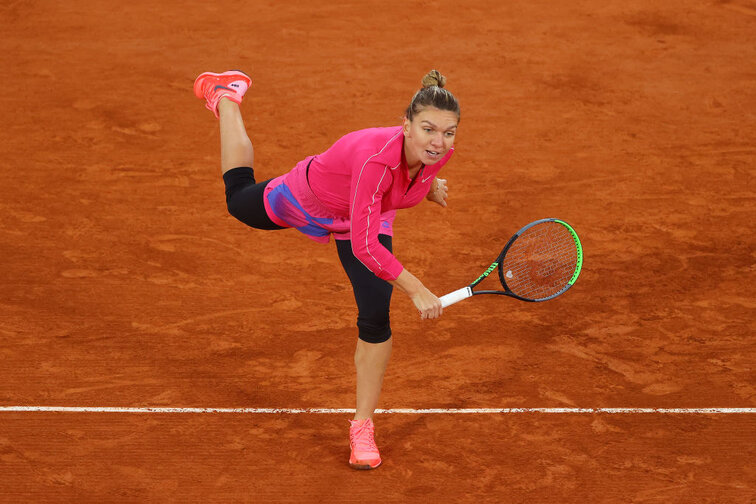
(352, 191)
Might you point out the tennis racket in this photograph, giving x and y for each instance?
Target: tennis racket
(540, 262)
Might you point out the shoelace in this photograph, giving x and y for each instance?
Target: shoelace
(362, 437)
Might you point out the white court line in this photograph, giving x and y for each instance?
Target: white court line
(398, 411)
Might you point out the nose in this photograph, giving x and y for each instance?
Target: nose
(437, 140)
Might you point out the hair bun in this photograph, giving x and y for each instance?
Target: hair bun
(434, 78)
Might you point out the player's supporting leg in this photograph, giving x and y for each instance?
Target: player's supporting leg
(370, 360)
(372, 354)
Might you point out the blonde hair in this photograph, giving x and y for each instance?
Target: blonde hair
(432, 94)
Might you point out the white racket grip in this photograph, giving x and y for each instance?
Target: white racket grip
(456, 296)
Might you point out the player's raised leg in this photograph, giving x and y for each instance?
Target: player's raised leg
(223, 93)
(236, 147)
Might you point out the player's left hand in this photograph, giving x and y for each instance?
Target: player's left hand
(438, 192)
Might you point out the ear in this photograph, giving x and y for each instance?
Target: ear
(406, 126)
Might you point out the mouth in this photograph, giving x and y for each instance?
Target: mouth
(433, 154)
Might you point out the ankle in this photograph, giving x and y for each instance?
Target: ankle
(226, 103)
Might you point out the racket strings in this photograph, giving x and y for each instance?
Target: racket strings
(541, 261)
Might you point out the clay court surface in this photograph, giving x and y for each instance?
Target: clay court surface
(125, 283)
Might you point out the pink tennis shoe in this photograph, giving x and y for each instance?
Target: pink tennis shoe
(212, 87)
(361, 439)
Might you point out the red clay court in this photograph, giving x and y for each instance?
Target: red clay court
(126, 284)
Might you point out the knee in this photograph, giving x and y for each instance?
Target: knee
(235, 181)
(374, 329)
(235, 206)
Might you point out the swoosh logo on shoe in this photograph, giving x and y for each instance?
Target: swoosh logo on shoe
(221, 87)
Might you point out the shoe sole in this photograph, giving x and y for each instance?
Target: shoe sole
(198, 84)
(364, 467)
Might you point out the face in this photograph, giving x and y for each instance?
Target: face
(429, 136)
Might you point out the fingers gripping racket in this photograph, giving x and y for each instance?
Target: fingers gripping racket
(540, 262)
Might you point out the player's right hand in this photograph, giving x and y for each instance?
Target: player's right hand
(427, 304)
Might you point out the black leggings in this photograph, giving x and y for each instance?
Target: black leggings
(372, 294)
(244, 199)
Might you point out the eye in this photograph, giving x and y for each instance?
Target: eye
(450, 134)
(427, 130)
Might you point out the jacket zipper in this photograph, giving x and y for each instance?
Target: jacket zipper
(412, 182)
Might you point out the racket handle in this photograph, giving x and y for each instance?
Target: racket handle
(456, 296)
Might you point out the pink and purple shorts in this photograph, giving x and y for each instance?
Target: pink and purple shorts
(289, 202)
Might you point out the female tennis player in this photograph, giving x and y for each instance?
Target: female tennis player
(351, 192)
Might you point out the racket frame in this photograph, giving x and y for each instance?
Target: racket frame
(468, 291)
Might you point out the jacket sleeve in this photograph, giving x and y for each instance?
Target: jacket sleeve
(369, 183)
